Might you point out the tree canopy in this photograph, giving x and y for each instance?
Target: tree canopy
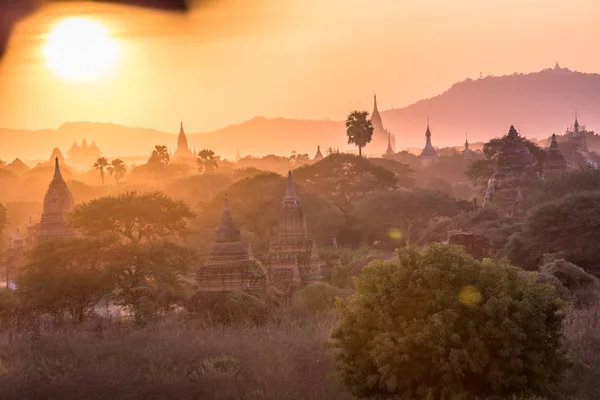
(344, 178)
(439, 324)
(133, 216)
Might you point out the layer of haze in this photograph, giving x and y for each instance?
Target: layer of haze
(311, 59)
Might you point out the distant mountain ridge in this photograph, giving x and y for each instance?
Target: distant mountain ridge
(538, 104)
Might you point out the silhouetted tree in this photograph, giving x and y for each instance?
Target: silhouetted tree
(160, 156)
(117, 169)
(206, 161)
(359, 129)
(100, 165)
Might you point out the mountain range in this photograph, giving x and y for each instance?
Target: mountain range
(537, 104)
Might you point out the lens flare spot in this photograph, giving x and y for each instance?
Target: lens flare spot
(469, 296)
(395, 234)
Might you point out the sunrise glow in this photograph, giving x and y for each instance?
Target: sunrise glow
(79, 48)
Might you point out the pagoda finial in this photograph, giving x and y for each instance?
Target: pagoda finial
(290, 191)
(226, 201)
(57, 174)
(181, 126)
(428, 132)
(374, 102)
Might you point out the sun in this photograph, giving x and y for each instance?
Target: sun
(80, 49)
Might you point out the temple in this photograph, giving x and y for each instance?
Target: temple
(318, 156)
(183, 154)
(56, 153)
(390, 150)
(57, 203)
(467, 153)
(228, 266)
(554, 162)
(514, 175)
(429, 154)
(577, 141)
(83, 155)
(293, 258)
(381, 136)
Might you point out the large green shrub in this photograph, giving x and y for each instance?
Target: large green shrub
(575, 285)
(316, 298)
(439, 323)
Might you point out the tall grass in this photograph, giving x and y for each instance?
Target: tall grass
(180, 358)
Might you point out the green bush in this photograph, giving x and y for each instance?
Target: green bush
(439, 323)
(577, 285)
(236, 307)
(315, 298)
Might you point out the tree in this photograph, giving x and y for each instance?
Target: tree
(159, 157)
(65, 276)
(206, 161)
(150, 278)
(359, 129)
(439, 324)
(399, 215)
(345, 177)
(133, 217)
(100, 165)
(567, 227)
(298, 158)
(117, 169)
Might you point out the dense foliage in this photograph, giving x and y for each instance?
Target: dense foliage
(439, 323)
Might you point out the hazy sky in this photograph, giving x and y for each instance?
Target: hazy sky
(309, 59)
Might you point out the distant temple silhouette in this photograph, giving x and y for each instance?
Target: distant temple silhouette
(183, 154)
(382, 138)
(83, 155)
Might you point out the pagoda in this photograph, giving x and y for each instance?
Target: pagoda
(228, 266)
(293, 258)
(390, 150)
(83, 155)
(381, 136)
(57, 203)
(513, 177)
(555, 162)
(467, 153)
(183, 155)
(56, 153)
(429, 154)
(318, 156)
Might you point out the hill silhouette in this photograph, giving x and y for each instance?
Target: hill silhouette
(538, 104)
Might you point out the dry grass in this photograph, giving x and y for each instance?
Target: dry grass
(184, 359)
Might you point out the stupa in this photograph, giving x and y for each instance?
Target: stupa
(318, 156)
(381, 136)
(554, 162)
(228, 266)
(183, 154)
(429, 154)
(58, 202)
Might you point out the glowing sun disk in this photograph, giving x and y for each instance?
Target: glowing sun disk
(79, 48)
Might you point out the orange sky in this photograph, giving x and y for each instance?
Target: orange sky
(310, 59)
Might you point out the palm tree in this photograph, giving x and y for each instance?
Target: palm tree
(359, 129)
(206, 161)
(117, 169)
(160, 156)
(99, 165)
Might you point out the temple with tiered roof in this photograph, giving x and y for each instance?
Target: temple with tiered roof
(229, 266)
(429, 154)
(318, 155)
(83, 155)
(467, 153)
(293, 258)
(554, 162)
(513, 177)
(58, 202)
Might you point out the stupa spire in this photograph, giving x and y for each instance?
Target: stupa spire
(57, 174)
(290, 190)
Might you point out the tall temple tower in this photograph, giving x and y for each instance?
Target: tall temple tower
(293, 257)
(381, 136)
(183, 154)
(513, 177)
(429, 154)
(57, 203)
(467, 153)
(228, 266)
(390, 150)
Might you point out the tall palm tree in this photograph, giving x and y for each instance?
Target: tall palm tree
(206, 161)
(100, 165)
(117, 168)
(359, 129)
(160, 156)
